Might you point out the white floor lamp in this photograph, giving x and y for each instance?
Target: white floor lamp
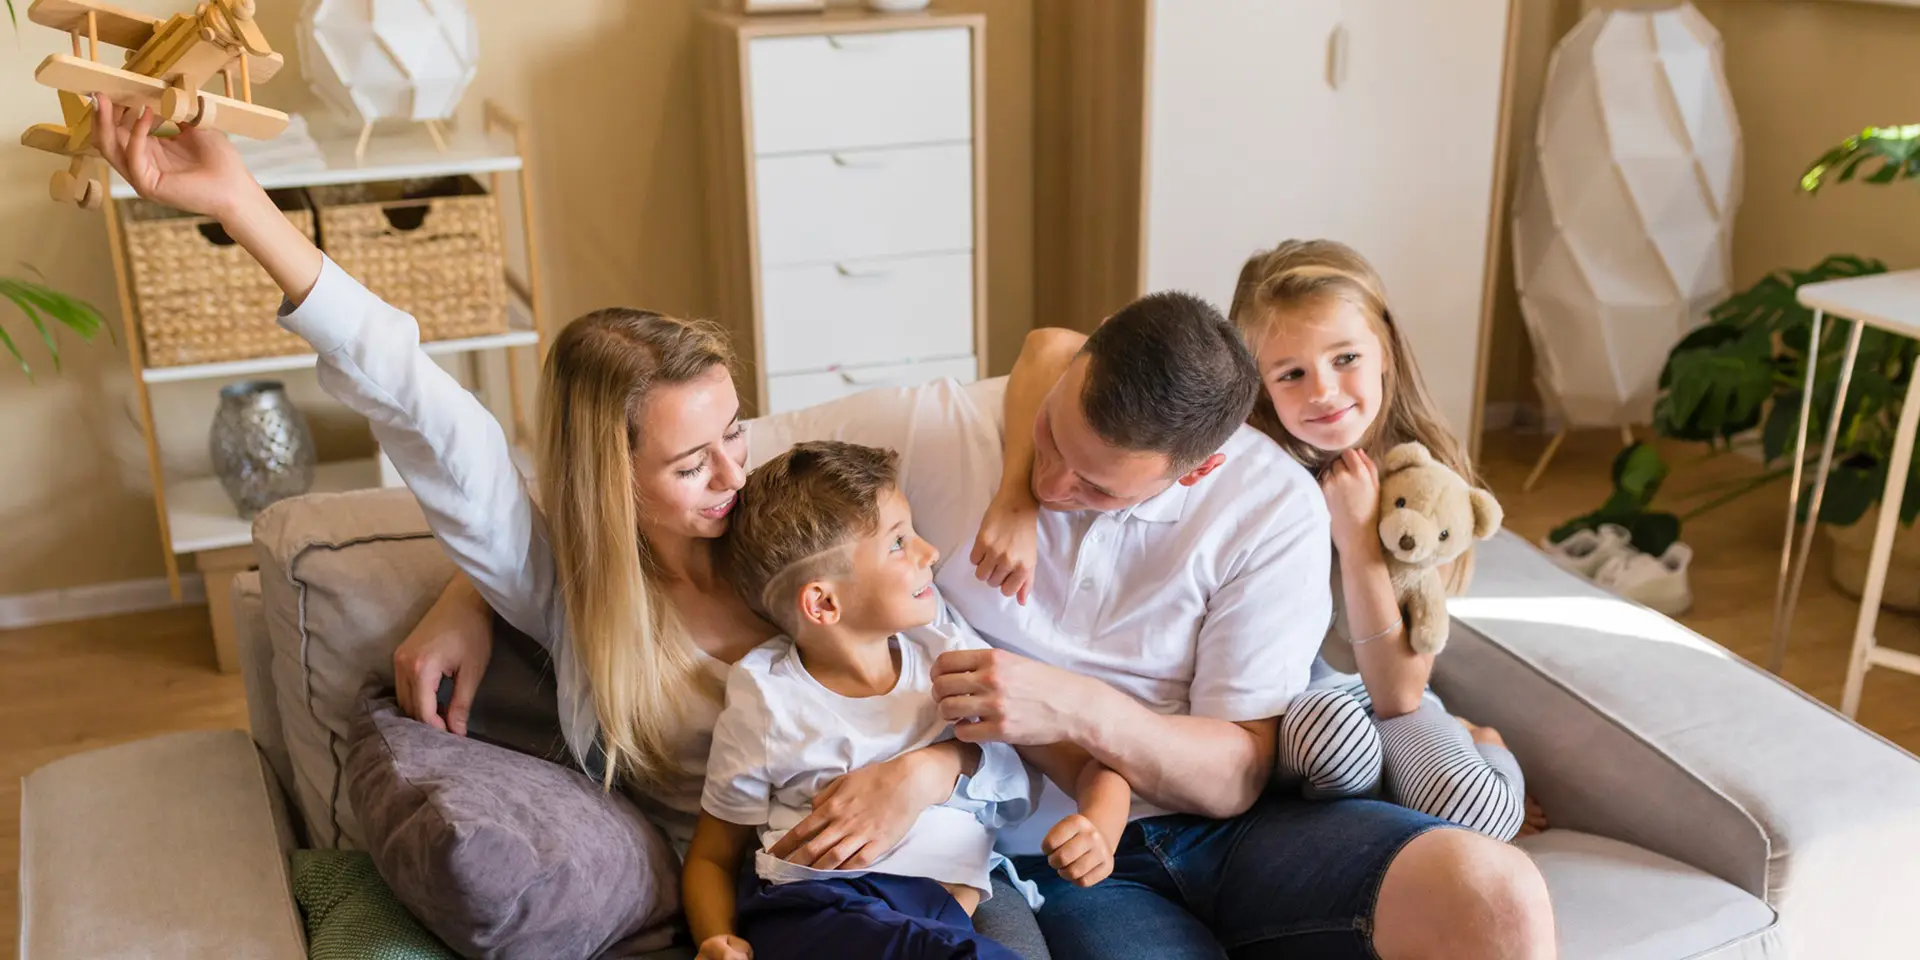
(1623, 226)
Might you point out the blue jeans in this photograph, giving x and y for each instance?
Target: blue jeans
(1288, 878)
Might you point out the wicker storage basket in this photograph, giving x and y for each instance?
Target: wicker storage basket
(429, 247)
(202, 299)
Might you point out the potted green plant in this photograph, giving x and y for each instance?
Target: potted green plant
(42, 305)
(1738, 382)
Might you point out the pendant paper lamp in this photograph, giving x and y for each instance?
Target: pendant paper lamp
(1623, 225)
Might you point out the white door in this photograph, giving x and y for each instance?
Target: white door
(1371, 122)
(1242, 136)
(1420, 109)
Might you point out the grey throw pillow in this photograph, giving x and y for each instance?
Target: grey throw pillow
(502, 854)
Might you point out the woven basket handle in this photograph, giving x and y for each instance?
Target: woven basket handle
(216, 234)
(407, 217)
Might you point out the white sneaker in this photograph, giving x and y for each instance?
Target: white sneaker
(1656, 582)
(1585, 551)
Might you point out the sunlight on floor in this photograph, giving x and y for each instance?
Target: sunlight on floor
(1586, 613)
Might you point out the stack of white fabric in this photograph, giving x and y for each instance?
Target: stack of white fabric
(1606, 556)
(293, 151)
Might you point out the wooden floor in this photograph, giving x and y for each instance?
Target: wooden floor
(74, 687)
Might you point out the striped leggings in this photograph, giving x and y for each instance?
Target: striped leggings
(1331, 743)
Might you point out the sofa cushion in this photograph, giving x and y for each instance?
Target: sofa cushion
(163, 848)
(1631, 726)
(501, 854)
(343, 578)
(1617, 901)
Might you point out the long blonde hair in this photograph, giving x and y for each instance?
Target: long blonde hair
(639, 662)
(1300, 272)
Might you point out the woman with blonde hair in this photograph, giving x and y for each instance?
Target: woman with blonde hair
(613, 571)
(1341, 388)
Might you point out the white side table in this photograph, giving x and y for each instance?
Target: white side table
(1891, 302)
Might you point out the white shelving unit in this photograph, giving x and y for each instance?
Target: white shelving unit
(194, 514)
(400, 155)
(203, 518)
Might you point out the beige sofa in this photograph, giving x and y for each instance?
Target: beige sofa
(1701, 808)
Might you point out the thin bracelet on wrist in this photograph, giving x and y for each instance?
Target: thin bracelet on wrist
(1395, 625)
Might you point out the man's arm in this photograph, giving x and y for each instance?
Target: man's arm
(1187, 764)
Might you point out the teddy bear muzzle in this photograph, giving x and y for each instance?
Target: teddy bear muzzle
(1409, 535)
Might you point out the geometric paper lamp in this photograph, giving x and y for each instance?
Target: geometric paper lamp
(1623, 224)
(390, 59)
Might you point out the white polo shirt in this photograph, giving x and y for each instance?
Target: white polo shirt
(1209, 600)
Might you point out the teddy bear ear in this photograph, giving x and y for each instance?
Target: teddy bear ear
(1410, 454)
(1486, 513)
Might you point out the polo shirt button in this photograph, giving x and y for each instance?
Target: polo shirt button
(1086, 584)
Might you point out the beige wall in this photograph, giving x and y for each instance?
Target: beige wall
(608, 89)
(1804, 75)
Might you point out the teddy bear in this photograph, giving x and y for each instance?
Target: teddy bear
(1429, 516)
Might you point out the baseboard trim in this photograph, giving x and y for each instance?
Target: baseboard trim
(97, 600)
(1519, 416)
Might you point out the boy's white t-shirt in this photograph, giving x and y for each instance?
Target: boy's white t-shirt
(783, 737)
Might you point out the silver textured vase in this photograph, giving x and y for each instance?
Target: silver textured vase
(261, 448)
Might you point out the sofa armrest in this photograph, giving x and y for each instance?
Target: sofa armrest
(170, 847)
(1631, 726)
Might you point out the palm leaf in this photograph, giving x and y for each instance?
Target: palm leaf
(8, 343)
(39, 304)
(1898, 149)
(46, 336)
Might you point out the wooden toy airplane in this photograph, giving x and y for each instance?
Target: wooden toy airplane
(166, 64)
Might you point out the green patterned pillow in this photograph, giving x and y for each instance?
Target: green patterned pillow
(350, 913)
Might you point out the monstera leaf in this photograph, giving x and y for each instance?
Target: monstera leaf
(1897, 149)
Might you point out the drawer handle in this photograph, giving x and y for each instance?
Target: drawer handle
(843, 160)
(840, 42)
(858, 272)
(853, 381)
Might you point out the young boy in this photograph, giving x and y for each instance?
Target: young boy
(822, 543)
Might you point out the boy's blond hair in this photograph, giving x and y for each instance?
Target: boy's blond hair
(798, 514)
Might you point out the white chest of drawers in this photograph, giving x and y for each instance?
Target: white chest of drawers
(846, 199)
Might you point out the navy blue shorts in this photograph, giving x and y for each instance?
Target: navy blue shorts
(1288, 878)
(879, 916)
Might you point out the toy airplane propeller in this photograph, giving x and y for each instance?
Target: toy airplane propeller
(166, 64)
